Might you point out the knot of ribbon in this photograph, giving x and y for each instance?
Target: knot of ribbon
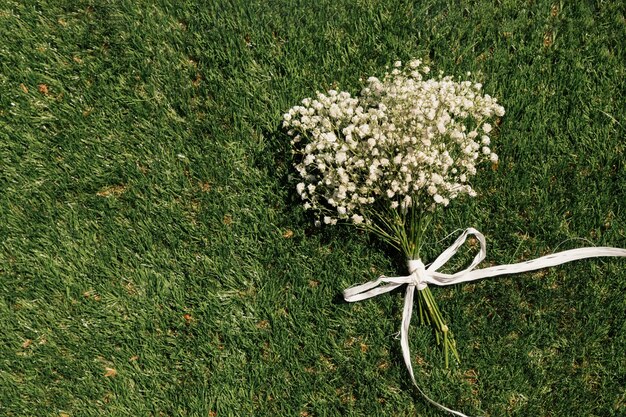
(420, 276)
(417, 271)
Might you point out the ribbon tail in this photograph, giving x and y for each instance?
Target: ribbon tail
(546, 261)
(404, 331)
(406, 353)
(369, 289)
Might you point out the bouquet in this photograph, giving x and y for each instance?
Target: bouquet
(386, 160)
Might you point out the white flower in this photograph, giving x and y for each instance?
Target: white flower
(364, 130)
(330, 136)
(300, 188)
(486, 128)
(334, 111)
(356, 219)
(309, 159)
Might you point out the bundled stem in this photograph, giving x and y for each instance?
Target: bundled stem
(404, 230)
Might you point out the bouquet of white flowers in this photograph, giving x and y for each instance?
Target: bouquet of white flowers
(385, 160)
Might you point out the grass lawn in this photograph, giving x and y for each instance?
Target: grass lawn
(155, 261)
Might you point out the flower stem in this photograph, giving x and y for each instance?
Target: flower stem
(404, 230)
(429, 309)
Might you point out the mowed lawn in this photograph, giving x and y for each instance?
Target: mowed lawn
(155, 259)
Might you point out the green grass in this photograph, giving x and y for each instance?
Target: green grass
(145, 197)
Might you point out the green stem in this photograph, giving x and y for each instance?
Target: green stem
(405, 231)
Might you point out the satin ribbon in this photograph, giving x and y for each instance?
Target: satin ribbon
(420, 276)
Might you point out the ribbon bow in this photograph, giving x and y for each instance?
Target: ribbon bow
(420, 277)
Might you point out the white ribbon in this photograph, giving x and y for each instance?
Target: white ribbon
(420, 277)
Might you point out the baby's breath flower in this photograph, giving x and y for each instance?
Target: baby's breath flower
(356, 219)
(406, 141)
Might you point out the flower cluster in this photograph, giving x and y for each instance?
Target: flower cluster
(405, 141)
